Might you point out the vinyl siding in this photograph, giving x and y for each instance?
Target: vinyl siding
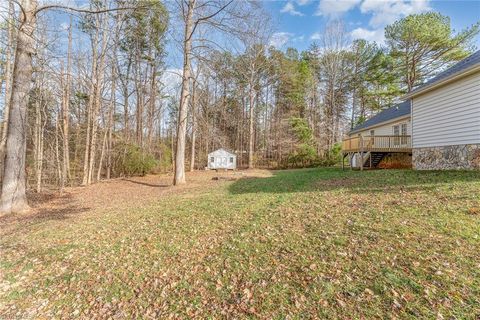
(449, 115)
(386, 129)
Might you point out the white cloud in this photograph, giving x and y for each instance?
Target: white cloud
(290, 8)
(376, 35)
(171, 80)
(303, 2)
(316, 36)
(387, 11)
(279, 39)
(64, 26)
(299, 38)
(383, 11)
(335, 7)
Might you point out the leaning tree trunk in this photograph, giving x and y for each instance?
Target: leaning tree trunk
(13, 197)
(179, 177)
(102, 152)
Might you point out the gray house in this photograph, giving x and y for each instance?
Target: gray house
(436, 127)
(222, 159)
(446, 118)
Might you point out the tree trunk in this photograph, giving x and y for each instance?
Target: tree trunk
(110, 147)
(91, 101)
(66, 110)
(99, 82)
(111, 120)
(102, 152)
(140, 102)
(172, 147)
(179, 177)
(194, 128)
(13, 197)
(60, 172)
(38, 144)
(126, 107)
(8, 77)
(151, 105)
(251, 133)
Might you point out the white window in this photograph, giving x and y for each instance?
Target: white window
(231, 159)
(212, 159)
(396, 130)
(372, 138)
(404, 133)
(396, 133)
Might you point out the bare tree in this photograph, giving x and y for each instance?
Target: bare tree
(194, 13)
(8, 76)
(253, 63)
(194, 106)
(66, 107)
(13, 197)
(334, 78)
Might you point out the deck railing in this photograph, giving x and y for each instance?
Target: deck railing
(377, 144)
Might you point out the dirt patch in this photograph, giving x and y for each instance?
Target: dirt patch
(116, 194)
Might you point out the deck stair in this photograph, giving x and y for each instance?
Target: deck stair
(377, 157)
(372, 149)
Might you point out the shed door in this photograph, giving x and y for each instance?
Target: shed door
(221, 162)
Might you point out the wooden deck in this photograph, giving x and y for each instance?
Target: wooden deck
(377, 144)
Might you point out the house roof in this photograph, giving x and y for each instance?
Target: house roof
(387, 115)
(457, 69)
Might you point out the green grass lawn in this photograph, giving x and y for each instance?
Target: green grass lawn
(313, 243)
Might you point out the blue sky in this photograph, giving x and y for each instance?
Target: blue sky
(300, 22)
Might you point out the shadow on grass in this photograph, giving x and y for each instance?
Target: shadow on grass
(331, 179)
(153, 185)
(53, 207)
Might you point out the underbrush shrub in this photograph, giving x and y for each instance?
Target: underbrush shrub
(138, 162)
(326, 162)
(164, 158)
(133, 161)
(333, 156)
(304, 153)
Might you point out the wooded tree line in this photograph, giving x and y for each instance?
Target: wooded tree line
(105, 98)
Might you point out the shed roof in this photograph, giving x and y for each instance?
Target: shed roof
(457, 69)
(222, 150)
(397, 111)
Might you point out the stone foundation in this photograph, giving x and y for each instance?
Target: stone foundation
(457, 157)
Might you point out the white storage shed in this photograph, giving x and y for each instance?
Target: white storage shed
(222, 159)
